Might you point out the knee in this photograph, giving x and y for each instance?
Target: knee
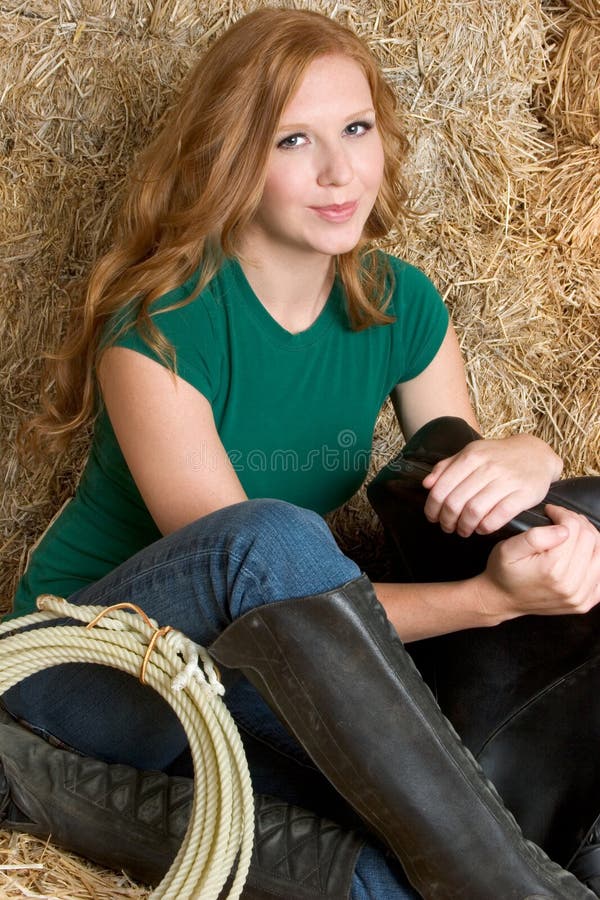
(277, 519)
(284, 551)
(248, 522)
(277, 534)
(260, 551)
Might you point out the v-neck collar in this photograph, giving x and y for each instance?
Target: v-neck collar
(272, 328)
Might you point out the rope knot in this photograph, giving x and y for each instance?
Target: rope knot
(198, 665)
(156, 631)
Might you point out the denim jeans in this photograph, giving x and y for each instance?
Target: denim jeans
(198, 579)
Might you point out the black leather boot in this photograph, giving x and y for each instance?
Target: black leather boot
(524, 695)
(334, 670)
(298, 855)
(125, 819)
(586, 863)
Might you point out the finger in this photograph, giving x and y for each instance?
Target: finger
(592, 589)
(565, 568)
(501, 514)
(535, 541)
(512, 505)
(574, 570)
(577, 525)
(439, 468)
(584, 542)
(576, 577)
(490, 501)
(560, 514)
(592, 586)
(467, 502)
(594, 597)
(453, 475)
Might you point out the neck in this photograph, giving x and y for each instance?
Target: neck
(293, 288)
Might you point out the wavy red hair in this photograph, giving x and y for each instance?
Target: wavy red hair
(197, 185)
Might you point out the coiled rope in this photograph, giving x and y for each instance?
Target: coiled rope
(221, 826)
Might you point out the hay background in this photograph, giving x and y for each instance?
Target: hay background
(502, 104)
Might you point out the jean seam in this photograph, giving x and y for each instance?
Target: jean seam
(179, 559)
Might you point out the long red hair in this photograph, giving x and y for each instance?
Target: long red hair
(197, 185)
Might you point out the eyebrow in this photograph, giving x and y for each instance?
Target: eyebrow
(303, 126)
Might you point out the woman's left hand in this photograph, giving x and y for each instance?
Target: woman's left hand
(488, 482)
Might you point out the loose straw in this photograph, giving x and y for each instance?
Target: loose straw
(222, 818)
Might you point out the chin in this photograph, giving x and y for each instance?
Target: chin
(339, 244)
(339, 247)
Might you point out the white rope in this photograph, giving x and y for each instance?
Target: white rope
(221, 826)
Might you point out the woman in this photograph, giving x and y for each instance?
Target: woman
(242, 247)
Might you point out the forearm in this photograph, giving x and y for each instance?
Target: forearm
(423, 610)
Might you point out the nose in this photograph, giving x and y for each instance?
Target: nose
(335, 166)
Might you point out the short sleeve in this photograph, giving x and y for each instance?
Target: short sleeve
(189, 329)
(421, 323)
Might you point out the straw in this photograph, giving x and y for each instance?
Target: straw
(501, 104)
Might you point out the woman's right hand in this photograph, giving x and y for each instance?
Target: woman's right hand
(550, 570)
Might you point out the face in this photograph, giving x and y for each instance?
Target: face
(326, 165)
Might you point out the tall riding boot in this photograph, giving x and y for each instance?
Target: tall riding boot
(586, 862)
(125, 819)
(334, 670)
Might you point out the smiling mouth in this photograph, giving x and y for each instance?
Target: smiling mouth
(339, 212)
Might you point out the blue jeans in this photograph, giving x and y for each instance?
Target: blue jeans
(199, 579)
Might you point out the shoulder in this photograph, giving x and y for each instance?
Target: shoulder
(185, 300)
(179, 313)
(413, 297)
(421, 318)
(406, 281)
(185, 330)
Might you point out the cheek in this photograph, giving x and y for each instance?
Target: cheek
(376, 167)
(282, 188)
(371, 172)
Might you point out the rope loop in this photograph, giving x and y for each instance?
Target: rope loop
(220, 833)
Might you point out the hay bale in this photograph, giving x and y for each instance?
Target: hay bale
(567, 203)
(571, 92)
(30, 867)
(500, 103)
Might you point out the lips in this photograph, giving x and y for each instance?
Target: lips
(338, 212)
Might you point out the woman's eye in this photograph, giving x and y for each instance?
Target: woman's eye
(294, 140)
(358, 128)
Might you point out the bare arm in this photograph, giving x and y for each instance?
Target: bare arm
(480, 489)
(553, 570)
(489, 482)
(440, 390)
(420, 611)
(167, 433)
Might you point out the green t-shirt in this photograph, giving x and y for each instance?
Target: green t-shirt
(295, 412)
